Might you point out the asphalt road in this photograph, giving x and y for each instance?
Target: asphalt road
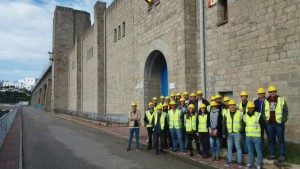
(50, 142)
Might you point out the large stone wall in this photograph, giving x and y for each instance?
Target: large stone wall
(259, 46)
(162, 28)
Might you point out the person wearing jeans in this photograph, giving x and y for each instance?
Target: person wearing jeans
(276, 119)
(252, 122)
(175, 126)
(148, 121)
(232, 123)
(214, 124)
(134, 126)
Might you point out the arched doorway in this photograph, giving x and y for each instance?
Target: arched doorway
(156, 76)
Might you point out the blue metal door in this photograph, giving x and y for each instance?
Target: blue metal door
(164, 81)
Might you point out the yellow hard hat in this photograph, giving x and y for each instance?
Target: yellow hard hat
(260, 90)
(133, 103)
(165, 105)
(191, 106)
(213, 103)
(272, 88)
(162, 97)
(167, 97)
(193, 95)
(202, 105)
(182, 99)
(218, 96)
(185, 93)
(172, 95)
(212, 98)
(159, 107)
(231, 102)
(154, 98)
(151, 103)
(178, 94)
(243, 93)
(172, 102)
(226, 99)
(199, 92)
(250, 104)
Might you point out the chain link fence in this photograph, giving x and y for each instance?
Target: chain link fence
(113, 118)
(5, 123)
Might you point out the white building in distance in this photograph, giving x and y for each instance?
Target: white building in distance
(27, 83)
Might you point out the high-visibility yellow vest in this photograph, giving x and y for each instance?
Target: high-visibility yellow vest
(240, 107)
(224, 111)
(149, 117)
(278, 110)
(162, 119)
(174, 119)
(208, 108)
(202, 123)
(252, 125)
(190, 123)
(233, 125)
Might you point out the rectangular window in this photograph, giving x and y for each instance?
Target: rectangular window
(222, 12)
(124, 29)
(226, 93)
(119, 32)
(89, 53)
(115, 35)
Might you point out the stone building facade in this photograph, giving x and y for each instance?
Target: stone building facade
(134, 51)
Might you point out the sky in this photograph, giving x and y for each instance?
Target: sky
(26, 34)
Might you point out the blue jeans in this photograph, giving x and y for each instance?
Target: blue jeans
(176, 134)
(137, 136)
(213, 141)
(234, 138)
(276, 130)
(245, 148)
(254, 144)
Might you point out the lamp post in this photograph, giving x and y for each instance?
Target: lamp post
(50, 56)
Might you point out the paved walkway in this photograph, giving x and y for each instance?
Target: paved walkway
(10, 149)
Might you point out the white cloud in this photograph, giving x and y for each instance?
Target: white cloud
(26, 29)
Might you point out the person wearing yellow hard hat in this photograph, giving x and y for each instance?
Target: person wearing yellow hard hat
(186, 96)
(191, 128)
(215, 130)
(148, 119)
(276, 120)
(168, 137)
(154, 101)
(162, 100)
(192, 99)
(202, 129)
(172, 96)
(175, 127)
(252, 122)
(242, 106)
(218, 99)
(262, 106)
(134, 125)
(226, 99)
(177, 99)
(232, 124)
(167, 101)
(159, 123)
(183, 109)
(200, 100)
(212, 98)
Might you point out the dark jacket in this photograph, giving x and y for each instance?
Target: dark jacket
(196, 104)
(219, 124)
(285, 111)
(157, 129)
(224, 127)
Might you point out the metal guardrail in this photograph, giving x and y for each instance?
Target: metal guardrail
(5, 123)
(115, 118)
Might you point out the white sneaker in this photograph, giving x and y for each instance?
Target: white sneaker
(248, 166)
(147, 140)
(258, 167)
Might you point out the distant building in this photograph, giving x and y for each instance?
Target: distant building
(27, 83)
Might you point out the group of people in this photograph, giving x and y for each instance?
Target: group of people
(175, 122)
